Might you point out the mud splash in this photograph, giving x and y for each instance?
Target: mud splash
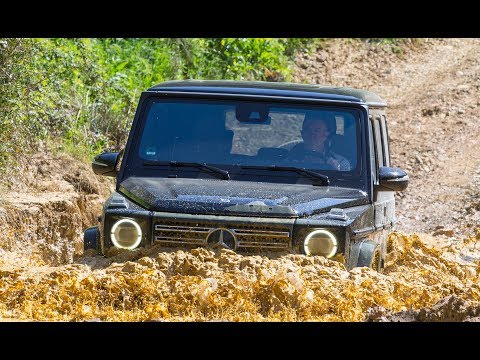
(202, 285)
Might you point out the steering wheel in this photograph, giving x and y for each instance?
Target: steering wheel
(290, 144)
(324, 165)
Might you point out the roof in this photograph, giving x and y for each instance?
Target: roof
(265, 88)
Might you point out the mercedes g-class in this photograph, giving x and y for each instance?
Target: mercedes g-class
(253, 167)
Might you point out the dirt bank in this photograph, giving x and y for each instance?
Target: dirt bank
(46, 207)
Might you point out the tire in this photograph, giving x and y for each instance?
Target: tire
(366, 253)
(377, 263)
(90, 238)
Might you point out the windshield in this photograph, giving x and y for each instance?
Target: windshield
(247, 133)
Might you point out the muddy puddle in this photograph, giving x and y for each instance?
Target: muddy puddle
(425, 279)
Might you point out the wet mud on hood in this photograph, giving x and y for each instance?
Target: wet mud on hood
(206, 196)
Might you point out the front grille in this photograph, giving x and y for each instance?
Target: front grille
(252, 235)
(180, 234)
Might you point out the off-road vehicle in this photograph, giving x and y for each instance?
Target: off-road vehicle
(213, 164)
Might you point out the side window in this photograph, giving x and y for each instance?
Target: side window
(378, 141)
(373, 150)
(385, 142)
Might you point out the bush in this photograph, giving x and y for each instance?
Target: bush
(82, 93)
(17, 98)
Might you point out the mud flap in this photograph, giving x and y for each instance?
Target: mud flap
(90, 238)
(362, 253)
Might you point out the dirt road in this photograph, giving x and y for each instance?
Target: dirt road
(433, 92)
(432, 87)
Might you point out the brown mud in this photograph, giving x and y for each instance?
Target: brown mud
(202, 285)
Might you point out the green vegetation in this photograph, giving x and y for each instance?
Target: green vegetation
(81, 94)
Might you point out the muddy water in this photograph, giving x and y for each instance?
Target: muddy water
(201, 285)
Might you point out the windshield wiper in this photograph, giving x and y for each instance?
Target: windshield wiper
(223, 173)
(303, 171)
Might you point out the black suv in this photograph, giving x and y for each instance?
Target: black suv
(253, 167)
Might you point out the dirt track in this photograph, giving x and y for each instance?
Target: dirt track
(433, 92)
(432, 89)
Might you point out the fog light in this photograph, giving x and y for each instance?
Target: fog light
(126, 234)
(320, 242)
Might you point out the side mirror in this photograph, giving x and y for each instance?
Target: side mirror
(393, 178)
(105, 163)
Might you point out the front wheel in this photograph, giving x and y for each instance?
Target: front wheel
(366, 253)
(376, 263)
(90, 238)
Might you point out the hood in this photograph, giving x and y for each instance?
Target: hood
(221, 197)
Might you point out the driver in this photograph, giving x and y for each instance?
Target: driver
(315, 148)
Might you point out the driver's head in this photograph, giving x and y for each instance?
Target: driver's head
(315, 131)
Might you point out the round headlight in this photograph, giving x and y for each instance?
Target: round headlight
(126, 234)
(320, 242)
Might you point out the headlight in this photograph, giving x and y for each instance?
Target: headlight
(320, 242)
(126, 234)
